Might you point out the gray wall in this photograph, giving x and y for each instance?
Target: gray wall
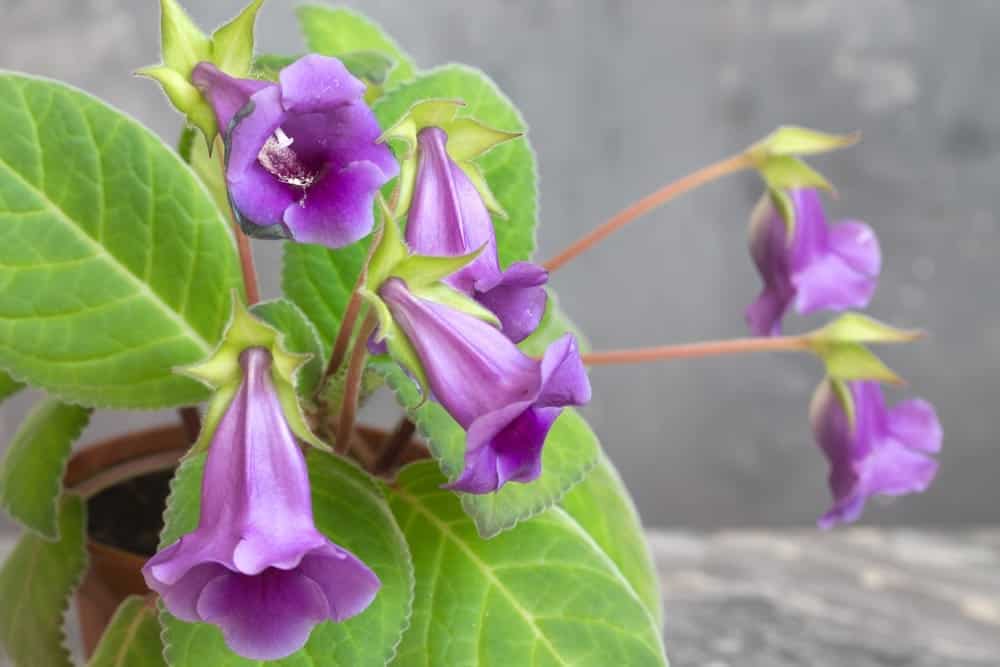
(623, 96)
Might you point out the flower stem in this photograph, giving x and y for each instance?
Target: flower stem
(395, 445)
(648, 203)
(191, 420)
(343, 340)
(352, 383)
(713, 348)
(247, 265)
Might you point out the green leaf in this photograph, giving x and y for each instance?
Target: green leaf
(570, 451)
(509, 168)
(299, 336)
(340, 31)
(8, 386)
(541, 594)
(132, 638)
(115, 265)
(32, 469)
(320, 281)
(352, 511)
(553, 325)
(603, 507)
(35, 586)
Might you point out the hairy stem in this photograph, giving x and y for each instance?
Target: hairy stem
(352, 383)
(648, 203)
(713, 348)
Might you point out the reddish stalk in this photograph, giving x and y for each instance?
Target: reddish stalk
(696, 350)
(352, 383)
(247, 265)
(395, 445)
(191, 420)
(648, 203)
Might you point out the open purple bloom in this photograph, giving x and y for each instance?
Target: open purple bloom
(448, 218)
(885, 454)
(505, 400)
(256, 566)
(302, 159)
(824, 268)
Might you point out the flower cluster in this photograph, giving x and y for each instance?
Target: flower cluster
(874, 451)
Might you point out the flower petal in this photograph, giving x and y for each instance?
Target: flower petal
(564, 377)
(181, 598)
(337, 210)
(317, 83)
(915, 424)
(348, 584)
(225, 93)
(830, 283)
(857, 245)
(266, 616)
(517, 297)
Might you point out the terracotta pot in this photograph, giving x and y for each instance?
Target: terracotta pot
(114, 573)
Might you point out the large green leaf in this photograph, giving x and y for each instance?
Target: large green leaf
(115, 265)
(571, 450)
(31, 471)
(132, 639)
(320, 281)
(603, 507)
(35, 585)
(299, 336)
(8, 386)
(339, 31)
(541, 594)
(509, 168)
(352, 511)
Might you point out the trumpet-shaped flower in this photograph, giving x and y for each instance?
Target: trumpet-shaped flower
(302, 159)
(256, 565)
(823, 268)
(505, 400)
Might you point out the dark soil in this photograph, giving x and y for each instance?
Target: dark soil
(129, 515)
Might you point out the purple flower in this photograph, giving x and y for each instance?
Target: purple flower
(256, 566)
(885, 454)
(448, 218)
(824, 268)
(302, 159)
(506, 401)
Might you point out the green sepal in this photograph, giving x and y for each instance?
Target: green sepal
(390, 251)
(452, 298)
(854, 327)
(794, 140)
(844, 397)
(422, 270)
(184, 45)
(400, 347)
(853, 361)
(232, 44)
(222, 373)
(467, 140)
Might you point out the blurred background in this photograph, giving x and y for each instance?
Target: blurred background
(622, 97)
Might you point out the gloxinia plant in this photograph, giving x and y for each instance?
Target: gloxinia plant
(487, 525)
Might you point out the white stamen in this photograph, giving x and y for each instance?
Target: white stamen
(284, 141)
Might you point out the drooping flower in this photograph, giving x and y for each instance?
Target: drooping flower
(256, 566)
(302, 159)
(824, 268)
(448, 218)
(886, 453)
(505, 400)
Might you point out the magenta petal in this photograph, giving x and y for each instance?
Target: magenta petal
(915, 424)
(225, 93)
(830, 283)
(264, 617)
(181, 599)
(348, 584)
(517, 297)
(857, 245)
(564, 377)
(317, 83)
(337, 210)
(765, 313)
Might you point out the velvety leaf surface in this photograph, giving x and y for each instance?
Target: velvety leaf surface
(541, 594)
(300, 337)
(32, 469)
(352, 511)
(115, 265)
(36, 582)
(8, 386)
(338, 31)
(570, 451)
(132, 639)
(319, 281)
(603, 507)
(509, 168)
